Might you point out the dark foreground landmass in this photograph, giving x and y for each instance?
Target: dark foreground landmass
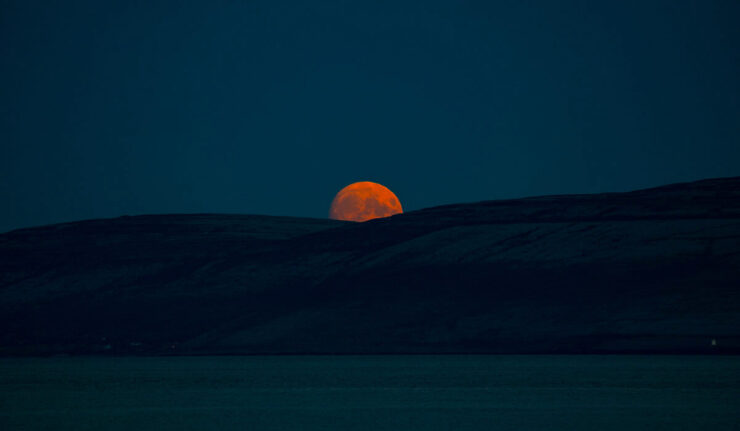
(654, 270)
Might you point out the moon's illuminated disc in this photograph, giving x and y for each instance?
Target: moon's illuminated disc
(364, 201)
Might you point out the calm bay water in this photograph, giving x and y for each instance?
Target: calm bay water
(372, 393)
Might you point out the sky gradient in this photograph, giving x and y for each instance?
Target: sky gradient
(268, 107)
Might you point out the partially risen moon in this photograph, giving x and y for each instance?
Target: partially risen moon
(364, 201)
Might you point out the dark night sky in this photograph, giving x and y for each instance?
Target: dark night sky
(271, 107)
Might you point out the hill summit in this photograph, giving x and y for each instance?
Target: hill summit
(654, 270)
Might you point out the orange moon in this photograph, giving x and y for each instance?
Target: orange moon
(364, 201)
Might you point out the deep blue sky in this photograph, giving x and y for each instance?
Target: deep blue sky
(271, 107)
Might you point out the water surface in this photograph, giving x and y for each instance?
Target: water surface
(372, 393)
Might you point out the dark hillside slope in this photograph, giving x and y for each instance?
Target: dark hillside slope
(655, 270)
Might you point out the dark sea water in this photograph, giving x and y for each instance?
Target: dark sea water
(372, 393)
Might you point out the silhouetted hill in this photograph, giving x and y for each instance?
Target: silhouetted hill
(654, 270)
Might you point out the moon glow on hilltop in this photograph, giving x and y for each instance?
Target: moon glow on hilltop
(364, 201)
